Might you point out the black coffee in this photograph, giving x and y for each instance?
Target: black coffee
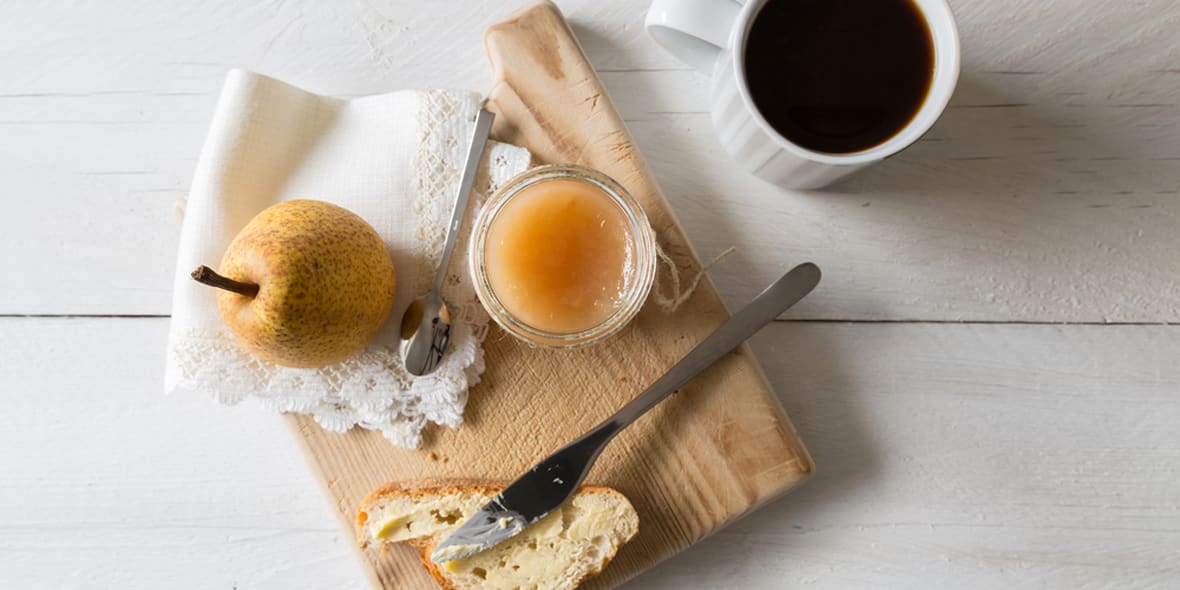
(839, 76)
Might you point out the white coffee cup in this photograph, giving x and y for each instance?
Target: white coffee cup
(710, 35)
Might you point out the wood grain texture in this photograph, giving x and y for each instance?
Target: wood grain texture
(720, 448)
(1049, 191)
(951, 456)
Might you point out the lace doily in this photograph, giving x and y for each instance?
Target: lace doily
(372, 389)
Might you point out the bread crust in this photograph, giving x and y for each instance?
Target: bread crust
(445, 487)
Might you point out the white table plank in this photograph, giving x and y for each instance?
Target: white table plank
(1049, 192)
(971, 456)
(109, 484)
(967, 456)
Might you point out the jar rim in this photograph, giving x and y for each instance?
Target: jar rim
(643, 262)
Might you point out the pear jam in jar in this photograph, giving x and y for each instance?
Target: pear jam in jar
(562, 256)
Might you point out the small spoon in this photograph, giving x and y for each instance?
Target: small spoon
(426, 325)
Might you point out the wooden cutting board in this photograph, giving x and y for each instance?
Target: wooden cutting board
(700, 460)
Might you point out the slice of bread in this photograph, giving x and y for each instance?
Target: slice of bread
(559, 552)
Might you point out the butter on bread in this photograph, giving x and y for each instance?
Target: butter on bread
(570, 544)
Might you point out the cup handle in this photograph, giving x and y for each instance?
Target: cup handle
(695, 31)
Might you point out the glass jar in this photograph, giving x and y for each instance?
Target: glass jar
(550, 240)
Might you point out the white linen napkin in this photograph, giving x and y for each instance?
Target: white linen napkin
(394, 159)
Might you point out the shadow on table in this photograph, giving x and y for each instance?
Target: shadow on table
(806, 366)
(995, 142)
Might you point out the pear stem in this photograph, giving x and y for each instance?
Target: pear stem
(208, 276)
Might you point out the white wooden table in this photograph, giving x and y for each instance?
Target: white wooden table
(988, 378)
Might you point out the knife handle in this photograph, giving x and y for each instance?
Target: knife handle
(776, 299)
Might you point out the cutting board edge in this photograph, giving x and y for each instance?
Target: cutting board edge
(331, 456)
(722, 526)
(295, 423)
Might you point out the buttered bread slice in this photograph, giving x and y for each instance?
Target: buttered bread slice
(559, 552)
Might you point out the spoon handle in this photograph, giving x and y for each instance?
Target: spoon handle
(479, 139)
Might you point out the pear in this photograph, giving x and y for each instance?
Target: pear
(304, 284)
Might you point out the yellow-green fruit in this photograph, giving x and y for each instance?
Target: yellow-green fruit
(325, 284)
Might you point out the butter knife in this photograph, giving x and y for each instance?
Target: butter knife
(552, 481)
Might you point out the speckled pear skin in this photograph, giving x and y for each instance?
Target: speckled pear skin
(326, 284)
